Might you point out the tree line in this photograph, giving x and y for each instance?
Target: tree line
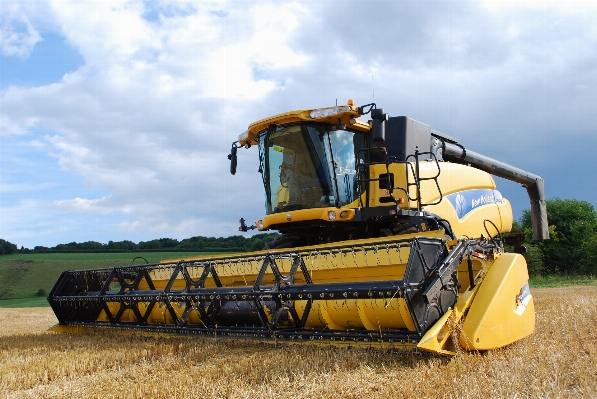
(204, 244)
(572, 247)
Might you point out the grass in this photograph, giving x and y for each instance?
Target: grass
(561, 281)
(557, 361)
(36, 302)
(24, 275)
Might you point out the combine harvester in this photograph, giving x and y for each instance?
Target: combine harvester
(390, 238)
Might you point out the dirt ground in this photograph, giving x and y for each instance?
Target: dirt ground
(559, 360)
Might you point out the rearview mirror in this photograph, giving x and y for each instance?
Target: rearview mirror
(233, 159)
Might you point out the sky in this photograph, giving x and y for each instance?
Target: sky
(116, 117)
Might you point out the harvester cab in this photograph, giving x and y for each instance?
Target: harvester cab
(331, 177)
(390, 238)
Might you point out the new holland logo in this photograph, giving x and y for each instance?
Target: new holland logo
(460, 205)
(465, 201)
(482, 200)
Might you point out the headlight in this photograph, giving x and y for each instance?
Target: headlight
(260, 224)
(332, 215)
(323, 112)
(243, 136)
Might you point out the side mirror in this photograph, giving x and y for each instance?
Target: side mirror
(379, 125)
(233, 159)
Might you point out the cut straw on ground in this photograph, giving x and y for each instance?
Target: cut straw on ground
(557, 361)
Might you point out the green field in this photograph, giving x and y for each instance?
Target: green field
(561, 281)
(28, 278)
(35, 302)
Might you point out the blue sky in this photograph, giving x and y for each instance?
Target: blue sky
(116, 117)
(48, 61)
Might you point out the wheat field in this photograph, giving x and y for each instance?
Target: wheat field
(559, 360)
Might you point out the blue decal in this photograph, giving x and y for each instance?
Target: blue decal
(465, 201)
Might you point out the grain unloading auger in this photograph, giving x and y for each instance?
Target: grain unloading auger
(390, 238)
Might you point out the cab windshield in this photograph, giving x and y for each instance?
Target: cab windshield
(306, 166)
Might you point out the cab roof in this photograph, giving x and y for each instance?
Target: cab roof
(343, 114)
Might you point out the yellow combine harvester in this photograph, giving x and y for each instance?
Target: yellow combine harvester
(390, 238)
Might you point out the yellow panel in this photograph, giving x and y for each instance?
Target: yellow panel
(502, 311)
(372, 314)
(307, 214)
(456, 178)
(435, 339)
(315, 319)
(383, 314)
(103, 317)
(114, 307)
(323, 262)
(341, 314)
(472, 223)
(453, 178)
(506, 216)
(128, 315)
(160, 315)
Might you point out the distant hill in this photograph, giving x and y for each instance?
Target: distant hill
(212, 244)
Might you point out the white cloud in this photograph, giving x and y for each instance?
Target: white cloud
(84, 205)
(29, 223)
(17, 35)
(150, 116)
